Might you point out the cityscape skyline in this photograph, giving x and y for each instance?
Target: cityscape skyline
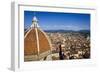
(58, 20)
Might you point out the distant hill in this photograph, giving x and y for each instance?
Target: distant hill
(64, 31)
(82, 32)
(85, 33)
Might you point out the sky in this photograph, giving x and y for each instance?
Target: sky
(58, 20)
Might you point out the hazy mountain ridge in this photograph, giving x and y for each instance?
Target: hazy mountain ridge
(67, 31)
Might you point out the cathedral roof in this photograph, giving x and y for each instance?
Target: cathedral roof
(31, 42)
